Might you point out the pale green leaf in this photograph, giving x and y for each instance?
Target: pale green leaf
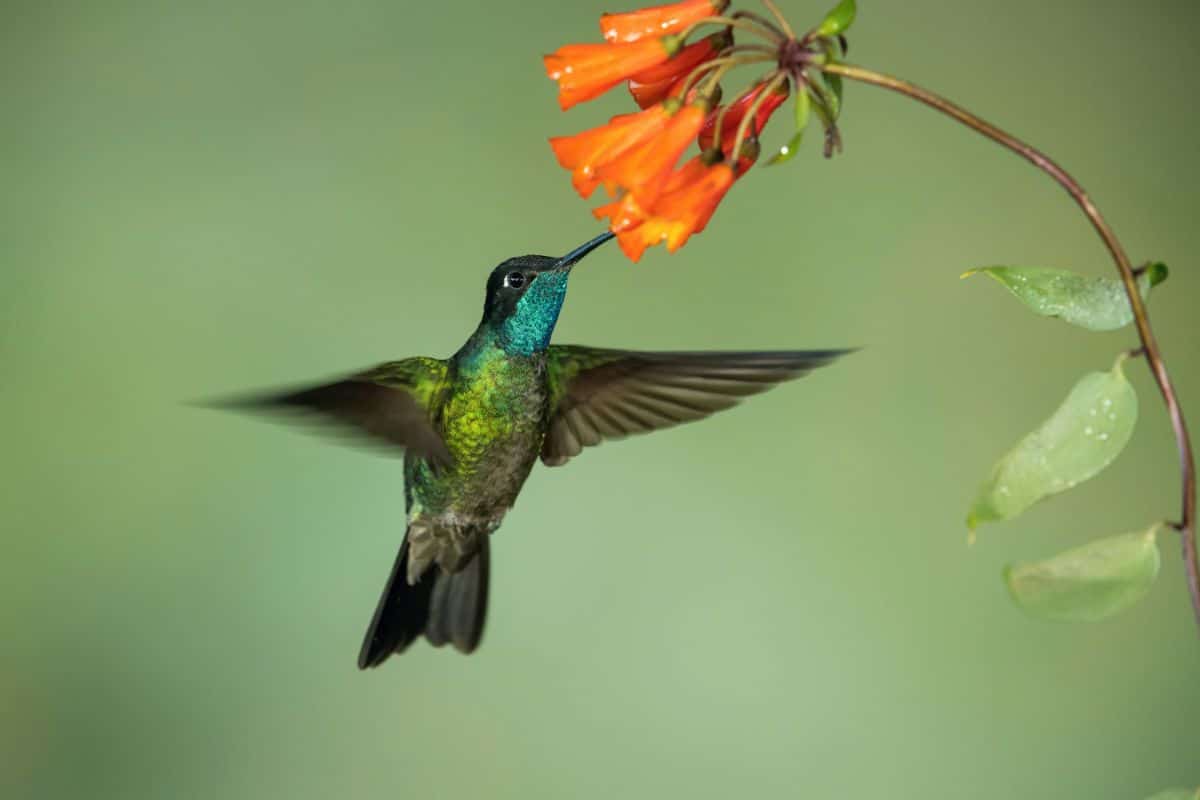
(1088, 583)
(789, 150)
(1083, 436)
(838, 20)
(1098, 304)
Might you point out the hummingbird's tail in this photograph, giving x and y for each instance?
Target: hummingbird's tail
(447, 607)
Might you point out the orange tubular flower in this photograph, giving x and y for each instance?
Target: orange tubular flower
(737, 112)
(584, 71)
(682, 210)
(655, 84)
(627, 213)
(584, 152)
(642, 170)
(692, 206)
(657, 20)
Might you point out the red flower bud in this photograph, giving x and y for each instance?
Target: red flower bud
(655, 84)
(737, 112)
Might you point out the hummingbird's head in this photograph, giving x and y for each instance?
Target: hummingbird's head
(525, 294)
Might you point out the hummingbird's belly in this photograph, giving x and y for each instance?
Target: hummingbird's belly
(494, 435)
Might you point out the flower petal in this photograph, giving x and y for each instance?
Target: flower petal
(655, 84)
(634, 242)
(657, 20)
(644, 168)
(583, 152)
(679, 212)
(585, 71)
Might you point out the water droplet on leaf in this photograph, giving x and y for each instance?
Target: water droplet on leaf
(1097, 304)
(1068, 448)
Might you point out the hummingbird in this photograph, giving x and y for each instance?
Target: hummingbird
(471, 427)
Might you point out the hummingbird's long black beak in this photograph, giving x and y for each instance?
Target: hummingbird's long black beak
(575, 256)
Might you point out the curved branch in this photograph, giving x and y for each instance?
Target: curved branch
(1187, 524)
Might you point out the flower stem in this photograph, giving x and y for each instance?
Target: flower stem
(761, 49)
(758, 19)
(1158, 367)
(722, 65)
(772, 84)
(719, 123)
(779, 17)
(770, 34)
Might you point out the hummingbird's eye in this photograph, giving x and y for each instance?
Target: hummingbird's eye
(514, 280)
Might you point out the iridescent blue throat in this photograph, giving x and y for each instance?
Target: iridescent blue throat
(529, 328)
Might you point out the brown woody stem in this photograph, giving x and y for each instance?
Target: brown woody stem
(1158, 367)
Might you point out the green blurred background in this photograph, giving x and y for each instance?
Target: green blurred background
(202, 198)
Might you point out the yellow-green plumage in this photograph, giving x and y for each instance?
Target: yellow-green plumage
(492, 416)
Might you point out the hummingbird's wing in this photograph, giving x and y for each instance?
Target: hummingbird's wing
(390, 404)
(608, 394)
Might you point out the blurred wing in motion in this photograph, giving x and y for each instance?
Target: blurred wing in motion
(608, 394)
(390, 405)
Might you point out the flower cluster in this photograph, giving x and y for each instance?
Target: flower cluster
(677, 85)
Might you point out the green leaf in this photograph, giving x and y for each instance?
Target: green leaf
(826, 101)
(1177, 794)
(835, 86)
(838, 20)
(1098, 304)
(802, 109)
(1083, 436)
(789, 150)
(1088, 583)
